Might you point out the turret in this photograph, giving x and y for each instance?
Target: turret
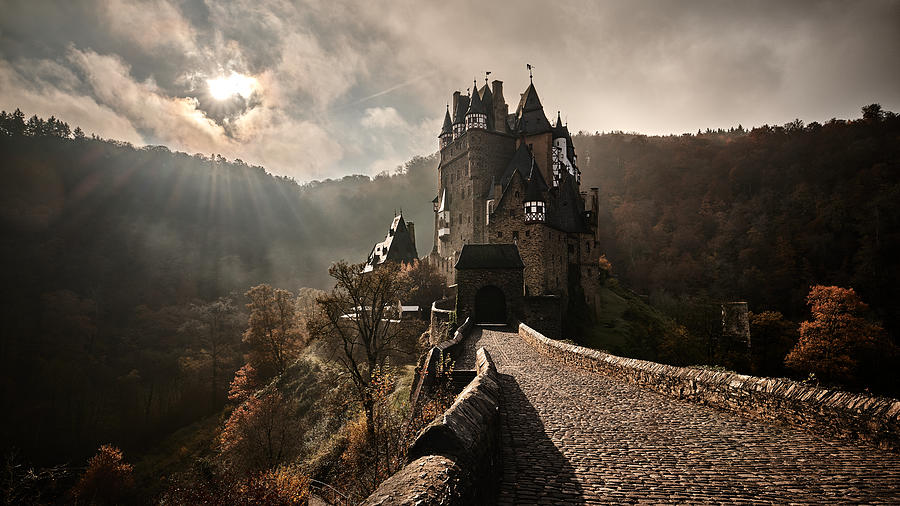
(476, 118)
(446, 135)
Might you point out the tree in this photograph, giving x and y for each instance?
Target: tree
(358, 319)
(260, 434)
(244, 384)
(873, 112)
(215, 326)
(831, 343)
(272, 331)
(78, 133)
(771, 338)
(107, 480)
(425, 285)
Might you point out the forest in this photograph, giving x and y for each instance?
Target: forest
(124, 268)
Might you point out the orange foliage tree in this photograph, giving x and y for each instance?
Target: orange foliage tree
(273, 333)
(107, 480)
(831, 343)
(244, 384)
(260, 434)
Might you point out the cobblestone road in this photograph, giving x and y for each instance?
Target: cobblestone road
(574, 437)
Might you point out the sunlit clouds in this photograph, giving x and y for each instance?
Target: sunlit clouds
(325, 88)
(222, 88)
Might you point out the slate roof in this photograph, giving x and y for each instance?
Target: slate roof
(397, 246)
(521, 160)
(530, 118)
(475, 105)
(448, 123)
(536, 187)
(490, 256)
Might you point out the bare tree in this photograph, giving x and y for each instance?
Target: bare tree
(359, 319)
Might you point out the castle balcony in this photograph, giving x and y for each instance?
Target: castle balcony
(444, 233)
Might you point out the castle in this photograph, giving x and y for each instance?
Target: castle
(513, 179)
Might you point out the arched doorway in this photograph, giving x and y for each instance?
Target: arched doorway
(490, 305)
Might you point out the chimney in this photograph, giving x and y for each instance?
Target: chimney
(412, 233)
(454, 105)
(501, 110)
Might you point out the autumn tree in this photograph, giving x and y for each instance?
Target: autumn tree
(107, 480)
(244, 384)
(272, 334)
(358, 319)
(425, 284)
(830, 344)
(260, 434)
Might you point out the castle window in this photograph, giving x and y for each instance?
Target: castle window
(476, 121)
(499, 233)
(528, 233)
(572, 248)
(535, 211)
(515, 234)
(517, 194)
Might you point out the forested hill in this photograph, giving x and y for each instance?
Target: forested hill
(756, 216)
(104, 246)
(107, 250)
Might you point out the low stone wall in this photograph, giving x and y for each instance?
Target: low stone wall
(876, 419)
(433, 361)
(441, 312)
(456, 458)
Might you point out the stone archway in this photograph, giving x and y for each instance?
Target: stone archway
(490, 305)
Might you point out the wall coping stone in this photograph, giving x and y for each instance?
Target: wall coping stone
(456, 458)
(855, 416)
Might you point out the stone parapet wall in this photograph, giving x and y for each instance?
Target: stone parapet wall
(858, 416)
(432, 362)
(456, 458)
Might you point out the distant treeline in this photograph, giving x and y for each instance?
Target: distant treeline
(758, 215)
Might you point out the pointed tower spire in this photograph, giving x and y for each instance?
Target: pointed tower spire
(446, 135)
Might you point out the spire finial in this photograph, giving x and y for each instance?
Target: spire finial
(530, 75)
(486, 74)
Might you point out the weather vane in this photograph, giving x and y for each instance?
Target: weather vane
(486, 74)
(530, 76)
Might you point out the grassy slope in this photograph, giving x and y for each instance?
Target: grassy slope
(626, 324)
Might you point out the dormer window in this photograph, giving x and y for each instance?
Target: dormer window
(535, 211)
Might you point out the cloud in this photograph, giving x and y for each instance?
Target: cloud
(34, 96)
(382, 117)
(347, 86)
(174, 120)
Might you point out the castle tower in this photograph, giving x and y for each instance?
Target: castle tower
(512, 180)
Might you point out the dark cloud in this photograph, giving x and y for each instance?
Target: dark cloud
(350, 86)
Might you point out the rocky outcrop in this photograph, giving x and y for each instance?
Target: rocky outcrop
(876, 419)
(455, 459)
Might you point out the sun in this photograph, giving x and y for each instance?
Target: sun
(223, 88)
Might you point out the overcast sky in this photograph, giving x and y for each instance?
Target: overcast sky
(332, 87)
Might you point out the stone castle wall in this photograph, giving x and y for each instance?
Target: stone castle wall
(876, 419)
(469, 281)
